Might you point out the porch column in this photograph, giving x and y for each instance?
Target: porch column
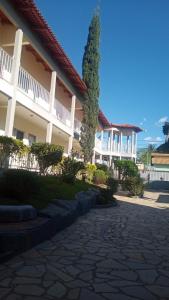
(111, 140)
(101, 161)
(14, 81)
(52, 91)
(132, 144)
(49, 132)
(121, 142)
(72, 118)
(128, 144)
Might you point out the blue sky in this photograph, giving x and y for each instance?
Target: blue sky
(134, 49)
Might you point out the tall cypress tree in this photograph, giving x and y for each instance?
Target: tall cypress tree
(90, 72)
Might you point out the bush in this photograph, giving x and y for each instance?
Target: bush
(112, 185)
(10, 147)
(47, 155)
(126, 168)
(19, 184)
(70, 167)
(134, 185)
(102, 167)
(90, 168)
(99, 177)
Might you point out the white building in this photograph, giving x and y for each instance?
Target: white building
(41, 94)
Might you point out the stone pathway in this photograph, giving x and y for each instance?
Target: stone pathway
(119, 253)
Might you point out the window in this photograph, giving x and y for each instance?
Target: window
(18, 134)
(31, 139)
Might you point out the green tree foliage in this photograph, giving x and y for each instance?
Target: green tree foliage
(70, 167)
(166, 130)
(90, 71)
(10, 147)
(145, 157)
(47, 155)
(126, 168)
(90, 168)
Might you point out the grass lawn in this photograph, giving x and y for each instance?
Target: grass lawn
(50, 188)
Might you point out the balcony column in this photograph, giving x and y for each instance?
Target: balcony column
(49, 132)
(14, 81)
(72, 119)
(132, 144)
(51, 106)
(111, 140)
(128, 144)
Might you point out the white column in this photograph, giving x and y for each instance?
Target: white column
(72, 118)
(111, 140)
(49, 132)
(118, 143)
(14, 81)
(52, 91)
(101, 161)
(132, 144)
(127, 144)
(121, 142)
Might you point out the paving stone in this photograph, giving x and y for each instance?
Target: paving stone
(33, 290)
(86, 276)
(160, 291)
(29, 271)
(73, 271)
(26, 280)
(138, 291)
(4, 292)
(117, 296)
(104, 288)
(147, 276)
(74, 294)
(128, 275)
(77, 284)
(14, 297)
(58, 290)
(89, 295)
(5, 282)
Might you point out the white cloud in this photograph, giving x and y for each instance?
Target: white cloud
(153, 140)
(148, 138)
(161, 121)
(144, 120)
(141, 123)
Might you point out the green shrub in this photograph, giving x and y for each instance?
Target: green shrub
(90, 168)
(134, 185)
(47, 155)
(70, 167)
(126, 168)
(10, 147)
(112, 185)
(102, 167)
(99, 177)
(19, 184)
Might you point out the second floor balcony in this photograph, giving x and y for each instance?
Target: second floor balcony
(36, 92)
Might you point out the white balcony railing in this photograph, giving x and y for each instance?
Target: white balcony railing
(62, 113)
(33, 88)
(77, 126)
(5, 65)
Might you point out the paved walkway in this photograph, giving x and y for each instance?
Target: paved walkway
(117, 253)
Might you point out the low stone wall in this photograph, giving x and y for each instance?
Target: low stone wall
(56, 216)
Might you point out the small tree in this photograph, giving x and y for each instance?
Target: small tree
(126, 168)
(90, 71)
(47, 155)
(70, 167)
(9, 147)
(166, 131)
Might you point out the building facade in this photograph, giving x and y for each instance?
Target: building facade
(41, 94)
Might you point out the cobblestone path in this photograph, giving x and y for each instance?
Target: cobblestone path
(116, 253)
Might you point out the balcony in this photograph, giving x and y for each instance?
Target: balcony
(104, 148)
(32, 88)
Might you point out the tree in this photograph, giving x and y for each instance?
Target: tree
(90, 72)
(126, 168)
(145, 157)
(166, 131)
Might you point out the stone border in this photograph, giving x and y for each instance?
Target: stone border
(58, 215)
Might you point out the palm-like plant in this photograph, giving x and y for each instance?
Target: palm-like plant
(166, 131)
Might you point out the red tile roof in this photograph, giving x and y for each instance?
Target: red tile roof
(37, 23)
(103, 120)
(127, 126)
